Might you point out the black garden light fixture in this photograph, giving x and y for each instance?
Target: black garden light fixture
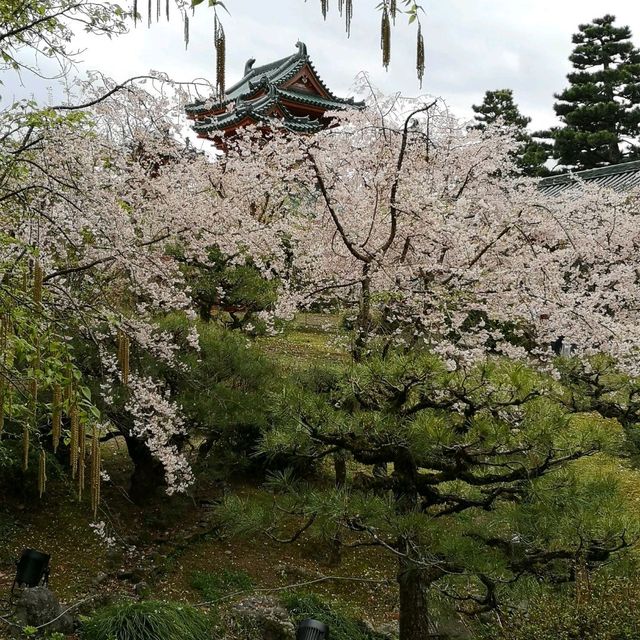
(312, 630)
(32, 569)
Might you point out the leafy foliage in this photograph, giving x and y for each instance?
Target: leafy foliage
(46, 27)
(150, 620)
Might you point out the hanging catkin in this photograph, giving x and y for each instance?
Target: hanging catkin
(393, 10)
(167, 10)
(149, 12)
(3, 391)
(123, 356)
(220, 42)
(3, 357)
(348, 16)
(385, 38)
(73, 440)
(95, 471)
(324, 4)
(56, 416)
(42, 473)
(25, 446)
(37, 283)
(186, 30)
(26, 436)
(81, 460)
(158, 10)
(135, 12)
(420, 55)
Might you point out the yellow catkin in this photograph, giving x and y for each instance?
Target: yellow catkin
(37, 283)
(56, 417)
(420, 55)
(42, 473)
(3, 393)
(348, 14)
(393, 9)
(25, 446)
(4, 339)
(26, 436)
(220, 43)
(95, 471)
(185, 17)
(73, 442)
(81, 460)
(37, 355)
(123, 356)
(385, 38)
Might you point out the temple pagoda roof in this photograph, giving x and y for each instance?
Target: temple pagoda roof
(289, 90)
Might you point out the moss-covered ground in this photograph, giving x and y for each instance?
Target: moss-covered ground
(164, 544)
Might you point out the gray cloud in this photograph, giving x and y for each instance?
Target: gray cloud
(472, 46)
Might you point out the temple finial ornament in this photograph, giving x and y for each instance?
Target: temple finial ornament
(302, 49)
(249, 65)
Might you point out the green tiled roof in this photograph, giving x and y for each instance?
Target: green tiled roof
(258, 111)
(620, 177)
(269, 77)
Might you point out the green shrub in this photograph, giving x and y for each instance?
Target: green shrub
(151, 620)
(342, 627)
(608, 610)
(213, 586)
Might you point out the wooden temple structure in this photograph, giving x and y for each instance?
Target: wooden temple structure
(288, 92)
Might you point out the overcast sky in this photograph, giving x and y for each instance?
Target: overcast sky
(472, 46)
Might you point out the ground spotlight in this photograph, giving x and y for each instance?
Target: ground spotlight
(32, 569)
(312, 630)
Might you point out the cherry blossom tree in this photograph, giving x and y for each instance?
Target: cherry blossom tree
(456, 267)
(108, 207)
(427, 229)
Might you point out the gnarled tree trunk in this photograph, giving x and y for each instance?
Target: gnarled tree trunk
(414, 608)
(148, 473)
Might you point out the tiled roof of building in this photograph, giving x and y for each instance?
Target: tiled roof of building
(620, 177)
(269, 92)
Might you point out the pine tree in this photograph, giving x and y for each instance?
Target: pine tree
(468, 479)
(599, 108)
(499, 105)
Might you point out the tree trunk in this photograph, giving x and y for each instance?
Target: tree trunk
(363, 323)
(148, 473)
(413, 580)
(414, 608)
(334, 557)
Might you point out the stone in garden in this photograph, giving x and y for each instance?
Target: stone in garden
(264, 618)
(38, 606)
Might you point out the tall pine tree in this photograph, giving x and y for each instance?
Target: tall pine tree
(500, 106)
(600, 109)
